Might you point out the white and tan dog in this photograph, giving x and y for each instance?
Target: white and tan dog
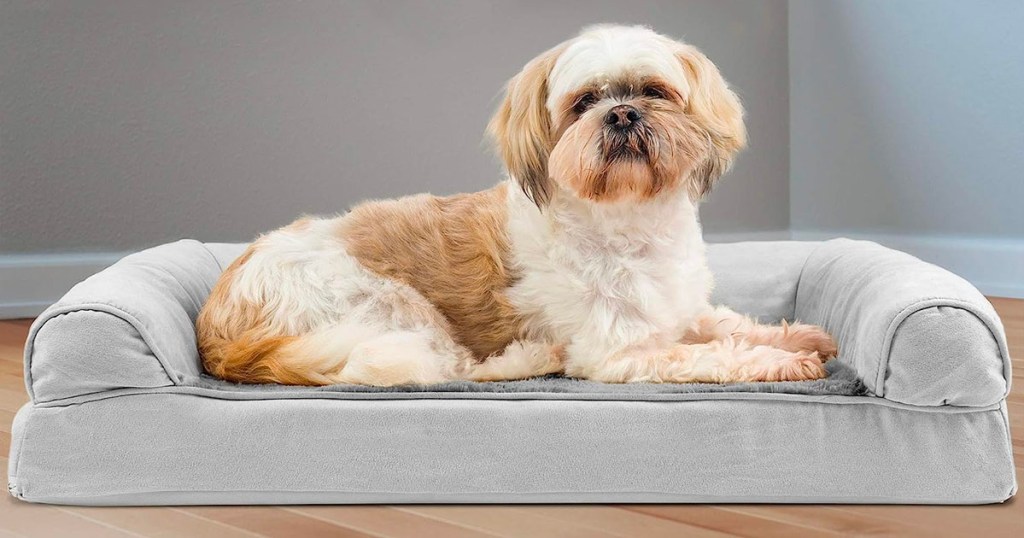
(587, 261)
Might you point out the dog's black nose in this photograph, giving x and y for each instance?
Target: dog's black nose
(622, 116)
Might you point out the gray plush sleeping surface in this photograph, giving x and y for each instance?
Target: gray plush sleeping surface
(913, 409)
(842, 380)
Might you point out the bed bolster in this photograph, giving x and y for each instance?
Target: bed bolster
(916, 333)
(758, 278)
(131, 325)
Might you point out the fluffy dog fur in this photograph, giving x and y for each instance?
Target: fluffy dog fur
(587, 261)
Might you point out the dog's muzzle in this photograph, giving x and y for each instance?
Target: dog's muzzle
(626, 134)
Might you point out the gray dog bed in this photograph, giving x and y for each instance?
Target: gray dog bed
(913, 409)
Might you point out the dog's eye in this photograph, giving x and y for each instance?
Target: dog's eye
(585, 101)
(654, 92)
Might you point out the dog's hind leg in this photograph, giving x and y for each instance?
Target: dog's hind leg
(519, 360)
(397, 358)
(430, 356)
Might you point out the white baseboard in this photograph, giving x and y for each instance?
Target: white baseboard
(31, 282)
(994, 266)
(735, 237)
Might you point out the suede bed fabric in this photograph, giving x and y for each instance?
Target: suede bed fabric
(915, 333)
(158, 292)
(912, 411)
(111, 355)
(179, 449)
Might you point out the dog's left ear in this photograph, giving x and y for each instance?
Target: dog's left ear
(715, 108)
(522, 127)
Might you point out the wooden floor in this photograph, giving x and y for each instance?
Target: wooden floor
(23, 519)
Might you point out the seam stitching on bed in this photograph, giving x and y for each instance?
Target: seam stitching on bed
(21, 450)
(185, 390)
(212, 255)
(1004, 412)
(800, 277)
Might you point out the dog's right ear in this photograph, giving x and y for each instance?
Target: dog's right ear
(522, 127)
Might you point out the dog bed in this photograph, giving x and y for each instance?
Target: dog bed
(913, 409)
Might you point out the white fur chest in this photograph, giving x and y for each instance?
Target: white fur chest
(599, 277)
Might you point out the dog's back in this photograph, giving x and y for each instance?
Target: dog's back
(293, 306)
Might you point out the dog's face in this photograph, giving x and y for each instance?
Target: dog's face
(618, 113)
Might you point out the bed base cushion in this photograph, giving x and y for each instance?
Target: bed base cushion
(187, 449)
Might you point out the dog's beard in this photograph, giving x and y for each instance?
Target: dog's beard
(606, 165)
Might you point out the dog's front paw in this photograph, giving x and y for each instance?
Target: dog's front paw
(800, 337)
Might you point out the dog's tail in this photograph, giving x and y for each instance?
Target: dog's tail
(315, 358)
(237, 342)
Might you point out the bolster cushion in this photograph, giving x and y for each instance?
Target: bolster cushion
(131, 325)
(759, 278)
(916, 333)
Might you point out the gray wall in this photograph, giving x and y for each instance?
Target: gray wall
(907, 117)
(124, 124)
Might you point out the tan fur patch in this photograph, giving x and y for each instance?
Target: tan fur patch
(453, 250)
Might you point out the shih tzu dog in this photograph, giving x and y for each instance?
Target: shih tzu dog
(587, 261)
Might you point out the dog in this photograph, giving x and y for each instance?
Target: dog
(586, 261)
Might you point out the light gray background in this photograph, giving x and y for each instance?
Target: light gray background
(908, 117)
(125, 124)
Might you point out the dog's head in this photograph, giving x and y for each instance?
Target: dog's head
(618, 113)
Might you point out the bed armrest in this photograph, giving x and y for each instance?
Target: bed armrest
(916, 333)
(131, 325)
